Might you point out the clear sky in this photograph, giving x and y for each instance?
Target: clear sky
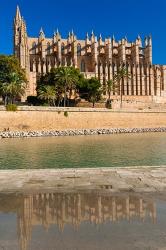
(119, 17)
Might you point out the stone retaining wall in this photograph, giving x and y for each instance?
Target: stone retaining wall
(53, 119)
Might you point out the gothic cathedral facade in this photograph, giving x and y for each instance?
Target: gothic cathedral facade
(94, 57)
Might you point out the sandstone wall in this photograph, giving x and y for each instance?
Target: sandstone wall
(53, 120)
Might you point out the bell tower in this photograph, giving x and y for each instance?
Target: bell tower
(21, 40)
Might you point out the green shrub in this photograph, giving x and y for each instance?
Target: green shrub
(45, 105)
(11, 107)
(66, 114)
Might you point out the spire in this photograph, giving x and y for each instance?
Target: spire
(113, 37)
(18, 13)
(92, 34)
(87, 36)
(41, 33)
(138, 37)
(146, 41)
(150, 40)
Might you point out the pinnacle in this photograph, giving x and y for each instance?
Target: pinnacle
(18, 13)
(42, 32)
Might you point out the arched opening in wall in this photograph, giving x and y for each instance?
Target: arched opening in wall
(137, 76)
(31, 65)
(82, 66)
(48, 48)
(140, 68)
(127, 80)
(78, 49)
(62, 49)
(150, 87)
(132, 82)
(33, 48)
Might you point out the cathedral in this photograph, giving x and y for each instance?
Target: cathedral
(95, 57)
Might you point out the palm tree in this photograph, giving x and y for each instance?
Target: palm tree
(15, 87)
(66, 79)
(47, 93)
(110, 87)
(122, 74)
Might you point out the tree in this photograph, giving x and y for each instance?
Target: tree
(94, 90)
(47, 93)
(66, 79)
(12, 78)
(121, 75)
(15, 87)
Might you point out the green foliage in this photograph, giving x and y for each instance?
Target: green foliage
(122, 74)
(11, 107)
(12, 79)
(47, 93)
(90, 89)
(66, 114)
(8, 65)
(65, 81)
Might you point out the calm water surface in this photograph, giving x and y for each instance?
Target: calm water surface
(84, 151)
(81, 221)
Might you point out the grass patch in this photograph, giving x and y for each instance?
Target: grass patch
(11, 107)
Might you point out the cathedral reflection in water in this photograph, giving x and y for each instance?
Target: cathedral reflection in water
(61, 209)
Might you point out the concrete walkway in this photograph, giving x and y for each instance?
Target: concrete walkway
(133, 179)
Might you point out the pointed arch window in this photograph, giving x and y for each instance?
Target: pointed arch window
(82, 66)
(33, 48)
(79, 49)
(63, 49)
(48, 48)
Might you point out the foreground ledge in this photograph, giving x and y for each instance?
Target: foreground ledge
(129, 179)
(74, 132)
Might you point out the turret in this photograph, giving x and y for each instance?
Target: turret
(92, 37)
(148, 50)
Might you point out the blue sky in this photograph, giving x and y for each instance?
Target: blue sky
(121, 18)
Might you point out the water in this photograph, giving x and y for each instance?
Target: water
(84, 151)
(81, 221)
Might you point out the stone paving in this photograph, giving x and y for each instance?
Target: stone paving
(133, 179)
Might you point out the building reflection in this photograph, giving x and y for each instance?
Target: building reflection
(60, 209)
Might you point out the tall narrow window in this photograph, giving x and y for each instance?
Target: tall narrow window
(82, 66)
(63, 49)
(33, 48)
(48, 48)
(79, 49)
